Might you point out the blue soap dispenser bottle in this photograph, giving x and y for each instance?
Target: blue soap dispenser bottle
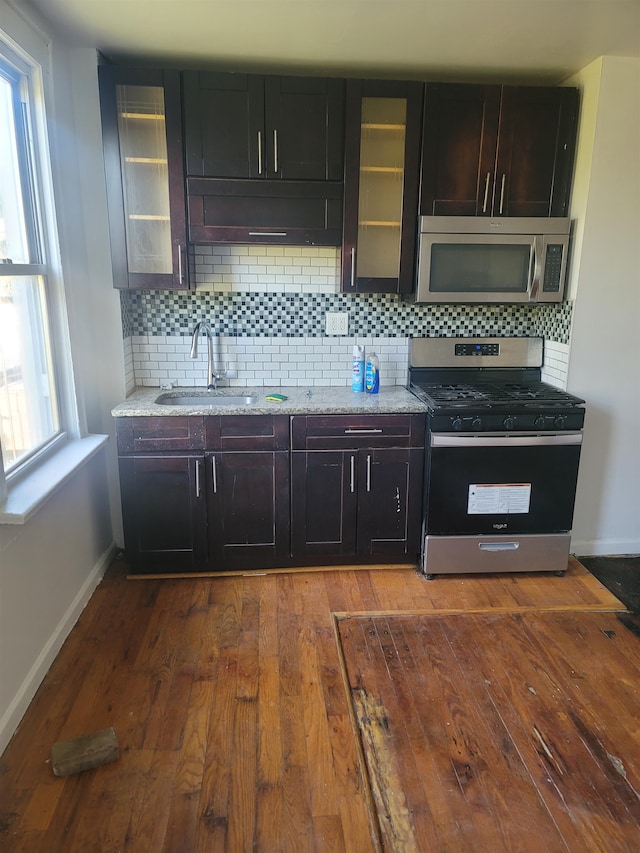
(372, 374)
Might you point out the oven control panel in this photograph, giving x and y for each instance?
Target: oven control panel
(477, 349)
(549, 421)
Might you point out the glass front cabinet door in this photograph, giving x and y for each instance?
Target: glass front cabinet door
(382, 154)
(142, 139)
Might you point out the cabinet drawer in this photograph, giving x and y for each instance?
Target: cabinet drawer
(247, 432)
(317, 432)
(293, 213)
(138, 435)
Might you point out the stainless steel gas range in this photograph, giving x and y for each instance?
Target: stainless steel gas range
(502, 455)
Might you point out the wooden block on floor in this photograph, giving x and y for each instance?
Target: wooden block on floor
(85, 752)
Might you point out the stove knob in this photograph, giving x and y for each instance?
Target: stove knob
(509, 422)
(476, 424)
(457, 423)
(539, 421)
(559, 421)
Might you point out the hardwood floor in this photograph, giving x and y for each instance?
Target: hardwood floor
(229, 701)
(528, 743)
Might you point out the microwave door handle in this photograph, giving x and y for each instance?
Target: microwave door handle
(534, 268)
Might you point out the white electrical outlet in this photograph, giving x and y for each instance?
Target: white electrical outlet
(336, 323)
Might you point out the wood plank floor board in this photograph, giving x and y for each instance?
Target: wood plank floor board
(235, 725)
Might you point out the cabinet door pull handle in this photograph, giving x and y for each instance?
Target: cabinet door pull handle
(504, 177)
(486, 193)
(368, 473)
(362, 431)
(353, 474)
(197, 478)
(259, 152)
(214, 475)
(353, 267)
(180, 273)
(275, 151)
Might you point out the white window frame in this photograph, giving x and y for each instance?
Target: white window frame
(29, 485)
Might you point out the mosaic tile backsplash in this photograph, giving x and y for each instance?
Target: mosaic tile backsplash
(294, 315)
(267, 305)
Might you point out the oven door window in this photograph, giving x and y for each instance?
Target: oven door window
(480, 267)
(524, 489)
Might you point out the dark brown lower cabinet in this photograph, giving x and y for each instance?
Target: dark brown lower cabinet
(204, 493)
(224, 493)
(358, 501)
(164, 511)
(248, 509)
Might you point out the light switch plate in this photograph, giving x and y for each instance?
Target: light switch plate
(336, 323)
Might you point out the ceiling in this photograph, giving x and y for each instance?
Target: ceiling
(510, 40)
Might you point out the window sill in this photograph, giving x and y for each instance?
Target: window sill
(27, 495)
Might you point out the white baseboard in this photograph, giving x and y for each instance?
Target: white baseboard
(20, 702)
(605, 547)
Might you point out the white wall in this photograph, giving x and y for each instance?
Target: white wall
(50, 565)
(604, 364)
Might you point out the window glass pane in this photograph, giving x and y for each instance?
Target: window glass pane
(28, 410)
(13, 236)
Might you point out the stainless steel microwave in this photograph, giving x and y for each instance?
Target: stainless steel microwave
(481, 259)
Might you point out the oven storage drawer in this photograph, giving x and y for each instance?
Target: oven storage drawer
(489, 485)
(488, 554)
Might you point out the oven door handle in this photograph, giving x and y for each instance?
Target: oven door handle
(479, 440)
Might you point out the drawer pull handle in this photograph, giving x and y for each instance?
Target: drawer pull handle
(498, 546)
(267, 233)
(362, 431)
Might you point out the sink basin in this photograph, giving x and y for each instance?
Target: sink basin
(210, 399)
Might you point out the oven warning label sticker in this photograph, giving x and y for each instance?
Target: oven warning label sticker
(498, 498)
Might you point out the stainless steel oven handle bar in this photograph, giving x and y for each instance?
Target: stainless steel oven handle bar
(479, 440)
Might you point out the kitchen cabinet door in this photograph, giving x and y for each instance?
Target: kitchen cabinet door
(536, 144)
(164, 512)
(277, 128)
(323, 503)
(459, 149)
(497, 151)
(389, 503)
(382, 153)
(248, 509)
(142, 144)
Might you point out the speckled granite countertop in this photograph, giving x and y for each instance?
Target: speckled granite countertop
(323, 400)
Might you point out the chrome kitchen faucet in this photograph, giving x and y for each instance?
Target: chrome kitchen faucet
(213, 373)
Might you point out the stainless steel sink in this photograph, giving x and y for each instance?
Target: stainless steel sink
(209, 399)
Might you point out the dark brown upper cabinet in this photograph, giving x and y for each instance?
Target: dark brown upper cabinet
(264, 158)
(144, 171)
(497, 151)
(381, 179)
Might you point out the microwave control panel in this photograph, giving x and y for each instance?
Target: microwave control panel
(553, 268)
